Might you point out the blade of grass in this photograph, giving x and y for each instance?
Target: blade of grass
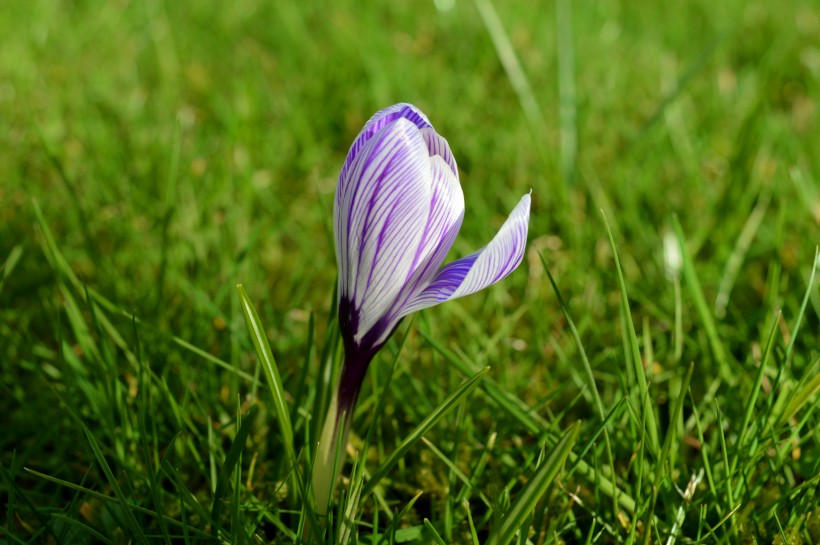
(432, 419)
(660, 471)
(566, 89)
(8, 265)
(263, 351)
(102, 497)
(133, 525)
(718, 525)
(351, 507)
(803, 305)
(223, 482)
(637, 365)
(533, 422)
(705, 315)
(534, 489)
(752, 399)
(434, 533)
(727, 482)
(457, 472)
(506, 54)
(801, 397)
(738, 255)
(593, 387)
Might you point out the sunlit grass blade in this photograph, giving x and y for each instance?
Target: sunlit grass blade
(347, 523)
(755, 392)
(432, 419)
(803, 394)
(637, 361)
(702, 308)
(263, 351)
(534, 489)
(718, 525)
(803, 305)
(727, 471)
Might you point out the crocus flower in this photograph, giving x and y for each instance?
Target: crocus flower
(397, 211)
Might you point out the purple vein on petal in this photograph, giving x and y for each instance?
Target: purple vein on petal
(482, 268)
(383, 213)
(446, 212)
(378, 121)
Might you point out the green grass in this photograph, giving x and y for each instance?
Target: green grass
(155, 154)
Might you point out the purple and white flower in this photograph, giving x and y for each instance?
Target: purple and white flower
(397, 211)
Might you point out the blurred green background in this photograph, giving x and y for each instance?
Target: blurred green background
(179, 148)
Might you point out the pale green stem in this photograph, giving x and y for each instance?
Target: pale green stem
(329, 456)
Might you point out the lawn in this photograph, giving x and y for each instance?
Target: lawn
(648, 374)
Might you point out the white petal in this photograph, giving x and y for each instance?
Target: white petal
(482, 268)
(376, 123)
(381, 211)
(444, 219)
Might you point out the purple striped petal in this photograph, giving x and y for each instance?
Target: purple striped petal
(446, 212)
(376, 123)
(381, 210)
(482, 268)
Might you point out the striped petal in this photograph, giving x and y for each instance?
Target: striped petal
(482, 268)
(446, 212)
(382, 204)
(376, 123)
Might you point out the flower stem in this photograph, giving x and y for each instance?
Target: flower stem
(336, 428)
(329, 455)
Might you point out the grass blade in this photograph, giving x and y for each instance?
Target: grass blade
(263, 351)
(506, 54)
(637, 365)
(800, 398)
(566, 89)
(458, 473)
(223, 483)
(432, 419)
(803, 305)
(705, 315)
(534, 489)
(660, 471)
(133, 525)
(750, 404)
(533, 422)
(8, 265)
